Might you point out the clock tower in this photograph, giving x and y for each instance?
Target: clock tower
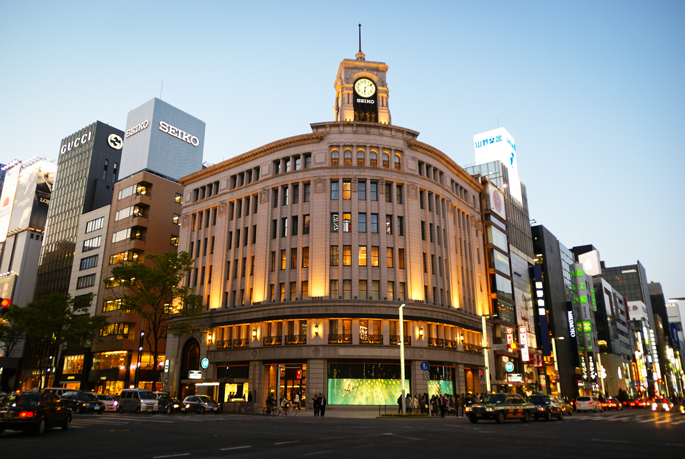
(361, 92)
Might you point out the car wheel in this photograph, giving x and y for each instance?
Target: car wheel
(526, 417)
(102, 410)
(137, 410)
(473, 419)
(79, 410)
(548, 416)
(65, 426)
(201, 410)
(500, 418)
(168, 410)
(40, 427)
(120, 409)
(561, 415)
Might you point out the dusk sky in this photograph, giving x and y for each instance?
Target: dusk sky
(593, 92)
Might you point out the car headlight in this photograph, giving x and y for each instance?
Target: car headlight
(489, 409)
(653, 406)
(468, 409)
(540, 408)
(115, 403)
(666, 406)
(187, 406)
(175, 406)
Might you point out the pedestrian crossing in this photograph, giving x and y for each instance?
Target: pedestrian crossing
(117, 420)
(641, 417)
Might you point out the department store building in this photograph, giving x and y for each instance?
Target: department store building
(306, 247)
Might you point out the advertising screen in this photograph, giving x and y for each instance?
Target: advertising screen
(499, 145)
(365, 391)
(440, 388)
(9, 189)
(7, 284)
(32, 197)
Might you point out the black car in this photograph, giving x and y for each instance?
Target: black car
(33, 412)
(200, 404)
(547, 407)
(81, 402)
(168, 404)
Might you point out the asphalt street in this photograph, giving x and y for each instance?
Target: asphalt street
(626, 434)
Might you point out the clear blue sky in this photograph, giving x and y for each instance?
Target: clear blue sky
(591, 91)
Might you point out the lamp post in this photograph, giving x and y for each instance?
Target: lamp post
(485, 351)
(404, 400)
(556, 364)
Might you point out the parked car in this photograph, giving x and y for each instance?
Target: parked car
(547, 407)
(59, 391)
(33, 412)
(110, 401)
(137, 401)
(588, 403)
(662, 404)
(566, 407)
(200, 404)
(612, 403)
(501, 407)
(167, 404)
(83, 402)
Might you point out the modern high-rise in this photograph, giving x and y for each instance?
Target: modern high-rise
(88, 166)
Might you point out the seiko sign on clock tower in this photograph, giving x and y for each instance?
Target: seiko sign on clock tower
(361, 92)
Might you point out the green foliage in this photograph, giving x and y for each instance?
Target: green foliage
(153, 290)
(11, 330)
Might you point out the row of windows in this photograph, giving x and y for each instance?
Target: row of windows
(205, 191)
(243, 178)
(253, 239)
(240, 204)
(293, 259)
(120, 329)
(92, 243)
(292, 163)
(205, 245)
(131, 211)
(364, 293)
(361, 190)
(206, 216)
(363, 256)
(89, 262)
(95, 225)
(294, 226)
(138, 188)
(85, 281)
(361, 226)
(361, 159)
(121, 257)
(114, 171)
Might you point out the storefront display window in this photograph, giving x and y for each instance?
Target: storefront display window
(73, 364)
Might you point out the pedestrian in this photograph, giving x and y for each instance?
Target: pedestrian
(296, 401)
(460, 405)
(316, 405)
(408, 404)
(249, 396)
(399, 404)
(416, 404)
(323, 404)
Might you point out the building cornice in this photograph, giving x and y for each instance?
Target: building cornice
(415, 144)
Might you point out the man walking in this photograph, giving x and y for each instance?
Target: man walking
(323, 404)
(316, 405)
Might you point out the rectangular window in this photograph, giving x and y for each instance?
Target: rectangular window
(391, 291)
(285, 196)
(334, 255)
(422, 196)
(362, 223)
(425, 262)
(121, 235)
(204, 247)
(362, 255)
(85, 281)
(95, 225)
(347, 255)
(334, 190)
(296, 193)
(293, 291)
(362, 290)
(305, 224)
(402, 294)
(271, 292)
(197, 251)
(374, 257)
(209, 275)
(91, 244)
(375, 286)
(281, 292)
(89, 262)
(423, 230)
(306, 192)
(254, 234)
(347, 190)
(211, 249)
(305, 290)
(400, 226)
(274, 198)
(374, 223)
(274, 229)
(178, 199)
(283, 259)
(305, 257)
(430, 202)
(236, 264)
(389, 257)
(437, 232)
(334, 289)
(388, 192)
(243, 267)
(228, 270)
(229, 242)
(433, 264)
(307, 160)
(335, 222)
(293, 258)
(111, 305)
(284, 227)
(272, 265)
(398, 191)
(388, 224)
(347, 289)
(430, 227)
(174, 241)
(176, 219)
(361, 190)
(347, 222)
(373, 191)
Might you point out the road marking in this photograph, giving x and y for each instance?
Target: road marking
(171, 455)
(235, 447)
(609, 441)
(334, 438)
(286, 442)
(314, 454)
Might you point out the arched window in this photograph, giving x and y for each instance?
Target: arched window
(398, 162)
(190, 359)
(348, 157)
(374, 159)
(335, 155)
(361, 159)
(386, 160)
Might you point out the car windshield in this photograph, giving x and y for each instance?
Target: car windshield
(206, 399)
(87, 397)
(147, 395)
(583, 399)
(497, 398)
(23, 400)
(538, 399)
(104, 397)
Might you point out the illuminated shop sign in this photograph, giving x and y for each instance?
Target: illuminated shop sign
(571, 324)
(194, 374)
(489, 141)
(523, 341)
(542, 314)
(85, 138)
(593, 371)
(583, 367)
(137, 128)
(366, 101)
(179, 134)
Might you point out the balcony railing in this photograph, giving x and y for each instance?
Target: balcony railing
(223, 344)
(272, 340)
(335, 338)
(473, 348)
(240, 342)
(371, 339)
(450, 344)
(295, 339)
(395, 339)
(435, 342)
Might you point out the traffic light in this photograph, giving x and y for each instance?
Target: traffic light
(513, 346)
(5, 305)
(298, 374)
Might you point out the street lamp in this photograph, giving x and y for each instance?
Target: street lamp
(404, 407)
(556, 364)
(485, 350)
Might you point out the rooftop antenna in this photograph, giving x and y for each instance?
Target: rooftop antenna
(160, 89)
(360, 56)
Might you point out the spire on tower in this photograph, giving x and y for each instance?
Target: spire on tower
(360, 56)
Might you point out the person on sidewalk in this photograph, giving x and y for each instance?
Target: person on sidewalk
(317, 404)
(296, 401)
(323, 404)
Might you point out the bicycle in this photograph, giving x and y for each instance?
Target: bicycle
(271, 411)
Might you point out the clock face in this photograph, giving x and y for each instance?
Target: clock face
(365, 87)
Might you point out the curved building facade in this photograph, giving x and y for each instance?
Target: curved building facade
(305, 248)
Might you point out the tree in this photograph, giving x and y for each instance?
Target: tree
(153, 290)
(54, 322)
(11, 330)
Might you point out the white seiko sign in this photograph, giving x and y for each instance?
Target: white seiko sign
(137, 128)
(85, 138)
(179, 134)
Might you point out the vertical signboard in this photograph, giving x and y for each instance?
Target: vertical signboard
(499, 145)
(9, 190)
(542, 314)
(523, 341)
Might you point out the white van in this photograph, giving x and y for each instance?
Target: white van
(588, 403)
(138, 400)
